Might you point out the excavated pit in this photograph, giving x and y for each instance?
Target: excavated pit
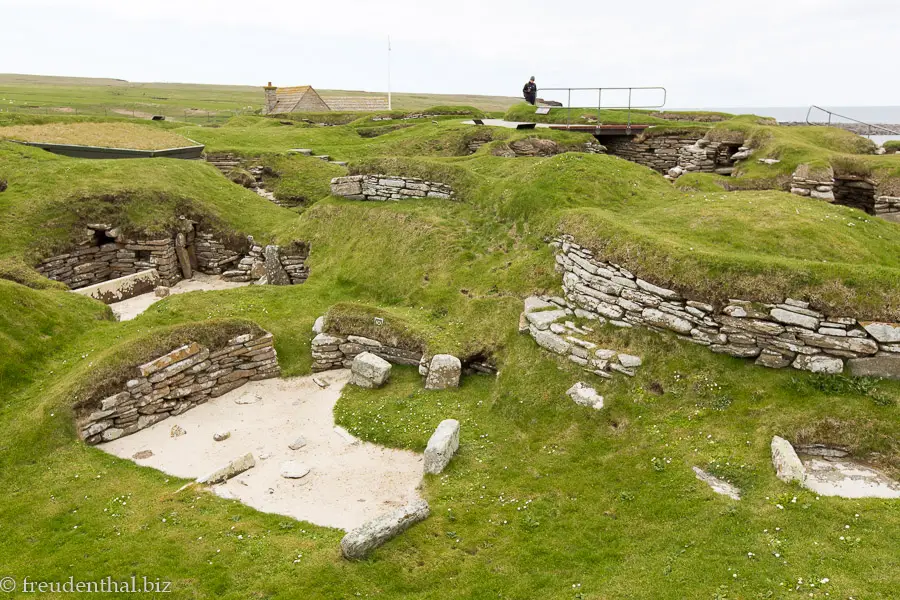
(349, 481)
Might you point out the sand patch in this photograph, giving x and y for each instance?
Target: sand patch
(132, 307)
(349, 481)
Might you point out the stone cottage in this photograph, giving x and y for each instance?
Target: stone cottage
(282, 100)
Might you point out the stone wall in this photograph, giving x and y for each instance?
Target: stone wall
(775, 335)
(105, 254)
(888, 207)
(665, 152)
(213, 258)
(175, 382)
(817, 184)
(855, 192)
(388, 187)
(846, 190)
(278, 265)
(335, 351)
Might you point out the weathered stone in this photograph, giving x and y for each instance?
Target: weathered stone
(666, 320)
(790, 317)
(819, 364)
(884, 365)
(849, 344)
(585, 395)
(172, 357)
(233, 468)
(221, 436)
(533, 303)
(787, 464)
(293, 470)
(656, 290)
(629, 361)
(370, 535)
(717, 485)
(442, 446)
(300, 442)
(773, 360)
(543, 319)
(369, 371)
(275, 273)
(443, 372)
(886, 333)
(161, 291)
(550, 341)
(319, 325)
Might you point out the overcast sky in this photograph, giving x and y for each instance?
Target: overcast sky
(706, 52)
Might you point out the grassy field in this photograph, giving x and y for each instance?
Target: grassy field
(35, 94)
(545, 499)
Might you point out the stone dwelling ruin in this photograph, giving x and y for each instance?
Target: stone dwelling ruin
(112, 266)
(299, 99)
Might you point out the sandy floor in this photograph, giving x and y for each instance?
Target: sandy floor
(129, 309)
(349, 481)
(840, 477)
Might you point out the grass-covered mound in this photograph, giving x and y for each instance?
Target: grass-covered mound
(524, 112)
(545, 499)
(106, 135)
(51, 198)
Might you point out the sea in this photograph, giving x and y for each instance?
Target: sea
(884, 115)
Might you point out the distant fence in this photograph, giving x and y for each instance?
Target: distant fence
(171, 114)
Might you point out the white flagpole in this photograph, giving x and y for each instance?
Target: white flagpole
(389, 73)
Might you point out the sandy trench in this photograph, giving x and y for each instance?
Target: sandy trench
(132, 307)
(349, 482)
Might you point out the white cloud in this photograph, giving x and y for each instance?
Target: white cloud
(706, 52)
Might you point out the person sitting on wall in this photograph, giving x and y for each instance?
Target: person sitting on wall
(530, 91)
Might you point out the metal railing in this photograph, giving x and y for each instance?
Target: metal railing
(600, 106)
(851, 119)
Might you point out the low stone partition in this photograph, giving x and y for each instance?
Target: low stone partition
(775, 335)
(818, 184)
(682, 152)
(388, 187)
(105, 253)
(332, 351)
(855, 192)
(176, 382)
(122, 288)
(888, 207)
(213, 258)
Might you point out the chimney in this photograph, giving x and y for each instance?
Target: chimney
(271, 98)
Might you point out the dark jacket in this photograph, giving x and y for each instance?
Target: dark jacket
(530, 91)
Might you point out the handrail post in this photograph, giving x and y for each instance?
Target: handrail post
(599, 106)
(569, 109)
(629, 108)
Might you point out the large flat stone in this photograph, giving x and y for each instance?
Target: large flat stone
(885, 365)
(369, 371)
(172, 357)
(122, 288)
(233, 468)
(543, 319)
(550, 341)
(818, 363)
(886, 333)
(442, 446)
(659, 318)
(364, 539)
(787, 464)
(789, 317)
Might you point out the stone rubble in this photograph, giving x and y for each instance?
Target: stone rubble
(789, 333)
(584, 395)
(388, 187)
(176, 382)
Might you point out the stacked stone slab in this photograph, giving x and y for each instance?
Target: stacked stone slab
(213, 257)
(548, 321)
(388, 187)
(273, 263)
(779, 335)
(818, 184)
(332, 351)
(855, 192)
(705, 156)
(888, 207)
(175, 382)
(106, 254)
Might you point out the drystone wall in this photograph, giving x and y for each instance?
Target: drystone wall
(334, 351)
(775, 335)
(388, 187)
(855, 192)
(176, 382)
(106, 254)
(278, 265)
(665, 152)
(818, 184)
(888, 207)
(846, 190)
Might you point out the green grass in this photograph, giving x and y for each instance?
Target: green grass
(545, 499)
(107, 135)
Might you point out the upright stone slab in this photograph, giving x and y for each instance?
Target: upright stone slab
(443, 373)
(235, 467)
(369, 371)
(787, 464)
(370, 535)
(442, 446)
(275, 273)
